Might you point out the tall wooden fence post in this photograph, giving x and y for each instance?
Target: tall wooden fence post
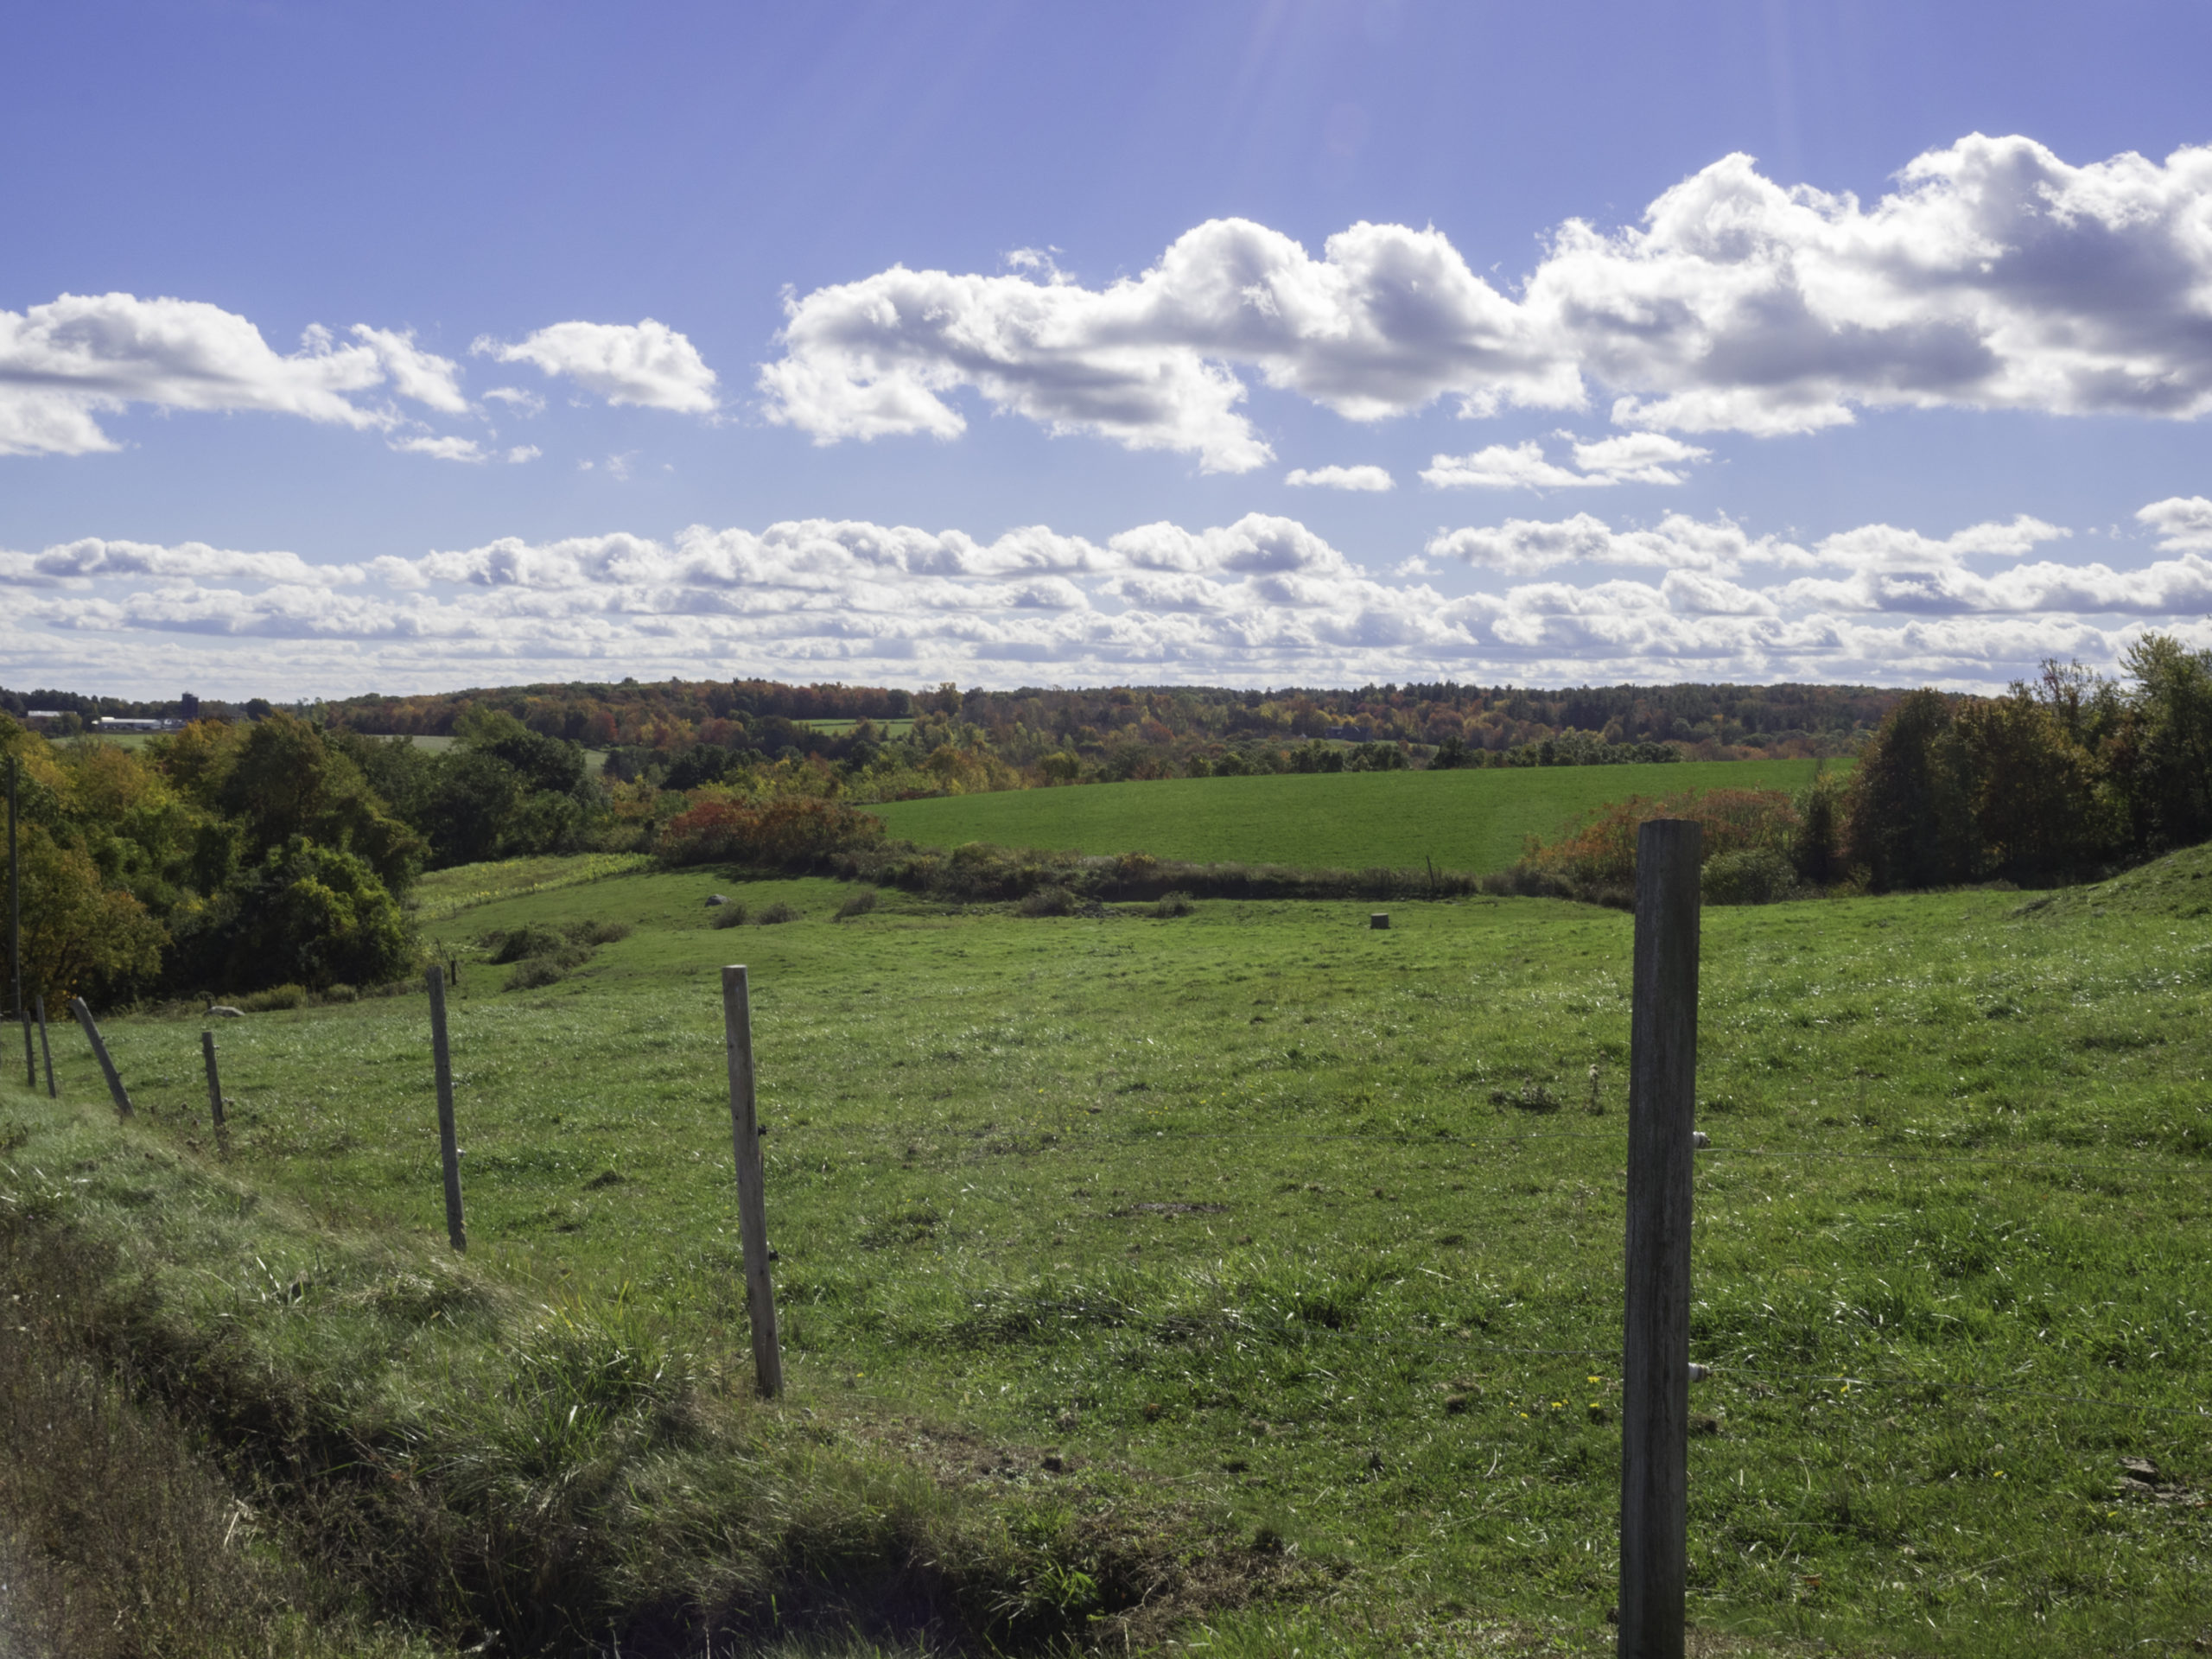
(100, 1052)
(214, 1083)
(751, 1183)
(442, 1057)
(46, 1049)
(1654, 1368)
(16, 929)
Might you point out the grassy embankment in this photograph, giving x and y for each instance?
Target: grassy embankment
(1250, 1249)
(1466, 820)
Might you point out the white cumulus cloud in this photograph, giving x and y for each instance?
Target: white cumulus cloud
(1627, 458)
(2183, 523)
(66, 362)
(1994, 275)
(442, 449)
(1340, 477)
(645, 363)
(1528, 546)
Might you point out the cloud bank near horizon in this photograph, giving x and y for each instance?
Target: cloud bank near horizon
(1263, 601)
(1996, 277)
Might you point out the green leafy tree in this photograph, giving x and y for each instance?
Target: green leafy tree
(302, 914)
(81, 936)
(2038, 809)
(2161, 756)
(278, 779)
(1909, 820)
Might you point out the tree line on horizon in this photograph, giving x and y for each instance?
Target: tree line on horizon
(237, 854)
(1056, 734)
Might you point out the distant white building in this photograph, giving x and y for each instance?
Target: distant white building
(113, 723)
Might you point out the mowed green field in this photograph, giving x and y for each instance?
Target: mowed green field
(1312, 1230)
(1465, 820)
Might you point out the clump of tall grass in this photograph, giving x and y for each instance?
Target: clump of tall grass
(123, 1538)
(730, 914)
(562, 1475)
(542, 955)
(534, 973)
(858, 905)
(775, 914)
(1753, 875)
(1172, 904)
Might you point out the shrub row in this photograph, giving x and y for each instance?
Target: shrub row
(980, 872)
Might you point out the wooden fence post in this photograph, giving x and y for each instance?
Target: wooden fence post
(45, 1049)
(214, 1083)
(442, 1057)
(16, 929)
(1654, 1368)
(99, 1051)
(751, 1183)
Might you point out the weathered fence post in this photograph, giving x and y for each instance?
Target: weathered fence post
(751, 1183)
(1654, 1366)
(214, 1083)
(46, 1049)
(16, 929)
(100, 1052)
(442, 1057)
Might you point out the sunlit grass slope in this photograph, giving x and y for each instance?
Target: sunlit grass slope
(1310, 1227)
(1465, 820)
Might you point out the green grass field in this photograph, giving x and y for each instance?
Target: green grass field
(838, 728)
(1465, 820)
(1307, 1235)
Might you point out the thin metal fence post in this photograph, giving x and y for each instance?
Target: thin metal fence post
(46, 1049)
(100, 1052)
(1654, 1366)
(214, 1083)
(751, 1183)
(441, 1058)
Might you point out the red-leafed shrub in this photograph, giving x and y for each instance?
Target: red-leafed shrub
(776, 834)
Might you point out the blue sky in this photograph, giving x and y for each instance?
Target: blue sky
(398, 347)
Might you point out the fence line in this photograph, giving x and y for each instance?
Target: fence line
(1063, 1141)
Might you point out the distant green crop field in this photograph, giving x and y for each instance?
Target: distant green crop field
(1470, 820)
(838, 728)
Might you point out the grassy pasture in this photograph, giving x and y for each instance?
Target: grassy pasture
(838, 728)
(1308, 1228)
(1466, 820)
